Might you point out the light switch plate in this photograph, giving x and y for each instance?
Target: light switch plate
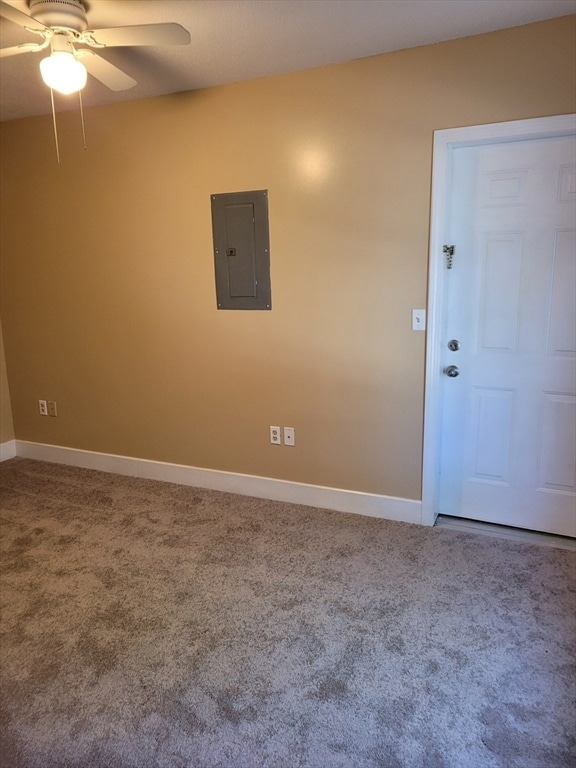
(418, 319)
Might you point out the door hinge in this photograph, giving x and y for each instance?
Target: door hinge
(449, 251)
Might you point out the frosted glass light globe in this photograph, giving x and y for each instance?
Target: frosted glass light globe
(62, 72)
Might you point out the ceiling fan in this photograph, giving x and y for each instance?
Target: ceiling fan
(62, 25)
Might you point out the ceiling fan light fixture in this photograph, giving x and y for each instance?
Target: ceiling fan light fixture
(63, 72)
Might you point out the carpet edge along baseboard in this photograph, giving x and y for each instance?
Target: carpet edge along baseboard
(337, 499)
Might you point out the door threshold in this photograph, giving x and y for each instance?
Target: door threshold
(506, 532)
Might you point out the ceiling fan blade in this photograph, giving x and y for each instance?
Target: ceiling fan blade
(24, 48)
(22, 19)
(140, 34)
(107, 73)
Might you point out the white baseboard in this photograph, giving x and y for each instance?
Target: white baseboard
(8, 450)
(340, 500)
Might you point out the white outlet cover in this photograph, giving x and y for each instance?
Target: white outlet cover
(289, 436)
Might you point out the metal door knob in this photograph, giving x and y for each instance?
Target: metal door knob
(452, 371)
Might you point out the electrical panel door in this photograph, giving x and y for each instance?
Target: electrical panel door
(241, 250)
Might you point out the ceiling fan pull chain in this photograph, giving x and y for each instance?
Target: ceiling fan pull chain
(55, 129)
(82, 119)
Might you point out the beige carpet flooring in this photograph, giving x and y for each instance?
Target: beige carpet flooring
(150, 625)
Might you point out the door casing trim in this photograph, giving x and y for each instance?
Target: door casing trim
(445, 142)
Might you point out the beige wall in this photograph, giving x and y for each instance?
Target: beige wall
(109, 304)
(6, 423)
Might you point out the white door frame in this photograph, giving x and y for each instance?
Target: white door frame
(445, 141)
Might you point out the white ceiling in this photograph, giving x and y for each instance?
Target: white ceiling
(234, 40)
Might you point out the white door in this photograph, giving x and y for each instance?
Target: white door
(507, 420)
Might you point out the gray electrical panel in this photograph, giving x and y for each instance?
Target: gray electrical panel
(241, 250)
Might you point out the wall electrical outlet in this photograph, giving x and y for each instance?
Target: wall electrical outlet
(289, 436)
(52, 408)
(275, 436)
(43, 407)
